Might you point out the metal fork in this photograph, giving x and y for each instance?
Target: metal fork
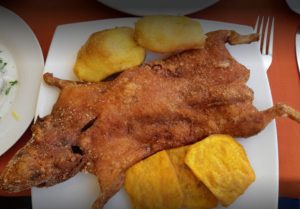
(266, 46)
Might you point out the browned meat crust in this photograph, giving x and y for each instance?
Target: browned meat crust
(105, 128)
(52, 154)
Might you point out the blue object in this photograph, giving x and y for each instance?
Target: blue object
(288, 203)
(25, 203)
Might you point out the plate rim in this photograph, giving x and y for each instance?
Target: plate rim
(291, 5)
(272, 124)
(8, 139)
(137, 12)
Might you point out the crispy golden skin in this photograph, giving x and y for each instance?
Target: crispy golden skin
(160, 105)
(52, 155)
(171, 103)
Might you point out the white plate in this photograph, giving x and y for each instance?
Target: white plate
(22, 44)
(154, 7)
(294, 5)
(80, 191)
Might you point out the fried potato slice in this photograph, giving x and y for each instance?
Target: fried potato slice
(195, 194)
(107, 52)
(153, 184)
(222, 165)
(165, 34)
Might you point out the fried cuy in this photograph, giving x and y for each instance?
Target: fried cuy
(170, 103)
(157, 106)
(52, 155)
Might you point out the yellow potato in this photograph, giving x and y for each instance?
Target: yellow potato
(222, 165)
(107, 52)
(169, 33)
(153, 184)
(195, 194)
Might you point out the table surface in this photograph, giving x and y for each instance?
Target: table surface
(44, 16)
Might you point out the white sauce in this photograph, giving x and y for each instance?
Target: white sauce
(8, 80)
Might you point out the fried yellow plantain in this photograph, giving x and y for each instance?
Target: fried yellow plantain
(195, 194)
(222, 165)
(153, 184)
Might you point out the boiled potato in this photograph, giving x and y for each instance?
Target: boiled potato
(165, 34)
(195, 194)
(107, 52)
(153, 184)
(222, 165)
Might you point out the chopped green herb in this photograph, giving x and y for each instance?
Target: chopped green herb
(11, 84)
(7, 90)
(2, 64)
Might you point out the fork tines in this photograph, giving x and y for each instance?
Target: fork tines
(266, 34)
